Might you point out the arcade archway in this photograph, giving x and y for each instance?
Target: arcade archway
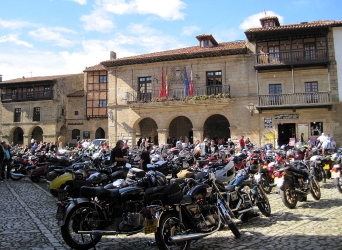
(37, 134)
(181, 126)
(100, 133)
(148, 129)
(18, 136)
(217, 126)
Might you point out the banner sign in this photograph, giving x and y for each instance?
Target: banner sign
(267, 122)
(287, 116)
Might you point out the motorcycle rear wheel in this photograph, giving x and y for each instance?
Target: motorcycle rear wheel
(339, 184)
(14, 170)
(265, 185)
(315, 190)
(81, 218)
(169, 226)
(288, 195)
(263, 203)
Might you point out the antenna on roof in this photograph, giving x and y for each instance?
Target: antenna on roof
(265, 12)
(30, 73)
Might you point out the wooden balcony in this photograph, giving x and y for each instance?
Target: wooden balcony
(288, 58)
(296, 100)
(27, 96)
(175, 94)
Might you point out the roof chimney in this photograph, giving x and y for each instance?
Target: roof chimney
(0, 78)
(112, 55)
(269, 21)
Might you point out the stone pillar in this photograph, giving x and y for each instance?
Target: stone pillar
(163, 133)
(198, 134)
(133, 135)
(26, 140)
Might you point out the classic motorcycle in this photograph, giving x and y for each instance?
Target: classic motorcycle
(100, 211)
(176, 220)
(336, 172)
(295, 183)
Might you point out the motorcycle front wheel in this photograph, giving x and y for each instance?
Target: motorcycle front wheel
(265, 184)
(315, 190)
(288, 195)
(263, 203)
(83, 217)
(169, 226)
(15, 170)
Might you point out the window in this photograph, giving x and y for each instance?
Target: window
(310, 51)
(205, 43)
(102, 103)
(103, 79)
(145, 88)
(29, 93)
(316, 128)
(274, 54)
(47, 88)
(76, 112)
(275, 94)
(214, 82)
(75, 133)
(311, 90)
(14, 92)
(17, 114)
(62, 112)
(36, 114)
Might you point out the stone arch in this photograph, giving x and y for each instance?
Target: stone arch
(147, 127)
(36, 133)
(17, 135)
(181, 126)
(216, 125)
(100, 133)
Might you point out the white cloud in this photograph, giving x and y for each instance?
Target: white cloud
(253, 21)
(14, 24)
(190, 30)
(13, 38)
(98, 20)
(82, 2)
(168, 10)
(53, 34)
(140, 29)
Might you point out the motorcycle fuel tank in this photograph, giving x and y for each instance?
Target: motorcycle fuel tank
(132, 193)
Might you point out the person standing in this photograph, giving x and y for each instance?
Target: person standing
(242, 143)
(213, 148)
(2, 157)
(145, 158)
(142, 144)
(117, 155)
(7, 158)
(32, 141)
(169, 140)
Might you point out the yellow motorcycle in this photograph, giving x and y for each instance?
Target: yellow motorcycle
(55, 184)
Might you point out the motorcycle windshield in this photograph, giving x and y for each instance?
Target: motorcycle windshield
(238, 180)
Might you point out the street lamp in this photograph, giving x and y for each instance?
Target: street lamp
(251, 108)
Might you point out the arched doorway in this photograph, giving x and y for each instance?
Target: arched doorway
(100, 133)
(18, 136)
(148, 129)
(181, 126)
(37, 134)
(217, 126)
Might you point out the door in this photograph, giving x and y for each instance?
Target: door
(285, 132)
(145, 89)
(311, 90)
(275, 94)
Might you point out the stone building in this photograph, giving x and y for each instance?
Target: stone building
(36, 107)
(281, 82)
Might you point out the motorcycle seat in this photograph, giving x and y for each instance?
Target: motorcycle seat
(136, 170)
(59, 171)
(186, 199)
(99, 192)
(230, 188)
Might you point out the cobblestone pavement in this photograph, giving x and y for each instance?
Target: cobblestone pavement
(27, 216)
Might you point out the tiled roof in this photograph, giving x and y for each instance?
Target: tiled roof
(222, 49)
(36, 79)
(269, 17)
(79, 93)
(302, 25)
(97, 67)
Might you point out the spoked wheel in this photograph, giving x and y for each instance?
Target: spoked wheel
(263, 203)
(15, 169)
(265, 185)
(339, 184)
(288, 195)
(83, 217)
(315, 189)
(169, 226)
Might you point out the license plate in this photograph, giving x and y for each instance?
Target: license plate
(150, 226)
(60, 213)
(335, 175)
(326, 167)
(279, 181)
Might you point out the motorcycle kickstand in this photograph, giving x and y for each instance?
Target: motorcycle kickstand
(91, 237)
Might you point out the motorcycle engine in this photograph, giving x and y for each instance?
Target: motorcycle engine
(51, 175)
(204, 216)
(131, 220)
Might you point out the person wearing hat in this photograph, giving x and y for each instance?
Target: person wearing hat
(2, 156)
(7, 159)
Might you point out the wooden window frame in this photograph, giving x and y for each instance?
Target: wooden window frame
(36, 114)
(17, 115)
(275, 98)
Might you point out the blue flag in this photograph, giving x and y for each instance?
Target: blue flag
(186, 83)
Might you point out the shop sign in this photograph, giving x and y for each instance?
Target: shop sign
(286, 116)
(267, 122)
(86, 134)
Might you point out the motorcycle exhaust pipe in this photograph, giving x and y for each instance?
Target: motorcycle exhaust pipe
(196, 236)
(245, 210)
(106, 232)
(19, 175)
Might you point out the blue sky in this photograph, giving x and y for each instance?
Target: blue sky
(51, 37)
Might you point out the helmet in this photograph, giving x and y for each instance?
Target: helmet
(155, 158)
(179, 145)
(253, 168)
(283, 147)
(227, 173)
(289, 153)
(80, 174)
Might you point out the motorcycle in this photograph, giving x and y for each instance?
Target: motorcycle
(177, 219)
(295, 183)
(83, 221)
(336, 173)
(320, 167)
(19, 171)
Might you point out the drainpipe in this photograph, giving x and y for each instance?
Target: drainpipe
(116, 103)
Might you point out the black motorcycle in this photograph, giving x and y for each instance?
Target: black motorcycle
(100, 211)
(178, 219)
(295, 183)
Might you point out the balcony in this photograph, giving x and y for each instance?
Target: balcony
(296, 100)
(175, 94)
(287, 58)
(27, 96)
